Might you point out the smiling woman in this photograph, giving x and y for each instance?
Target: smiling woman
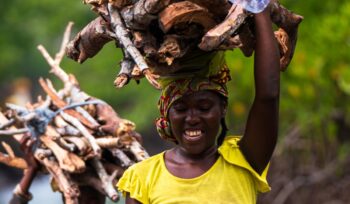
(205, 165)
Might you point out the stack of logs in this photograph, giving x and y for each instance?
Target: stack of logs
(157, 35)
(79, 140)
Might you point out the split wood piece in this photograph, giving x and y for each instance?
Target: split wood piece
(173, 47)
(89, 177)
(82, 145)
(289, 22)
(10, 159)
(247, 38)
(214, 37)
(61, 104)
(185, 12)
(69, 189)
(136, 17)
(126, 68)
(123, 159)
(285, 48)
(109, 142)
(4, 120)
(113, 124)
(123, 37)
(231, 43)
(146, 42)
(63, 128)
(155, 6)
(67, 160)
(107, 181)
(124, 75)
(138, 151)
(99, 5)
(89, 41)
(84, 131)
(219, 8)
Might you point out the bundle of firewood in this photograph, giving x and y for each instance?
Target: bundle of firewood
(158, 37)
(79, 140)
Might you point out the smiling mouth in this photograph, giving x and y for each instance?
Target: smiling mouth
(193, 135)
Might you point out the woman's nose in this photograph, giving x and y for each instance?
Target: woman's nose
(192, 117)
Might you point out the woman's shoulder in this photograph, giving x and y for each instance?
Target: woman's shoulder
(232, 154)
(147, 164)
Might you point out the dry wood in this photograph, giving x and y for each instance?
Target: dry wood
(66, 185)
(4, 120)
(107, 180)
(60, 104)
(213, 38)
(285, 47)
(123, 37)
(185, 12)
(173, 47)
(67, 160)
(89, 41)
(84, 131)
(66, 144)
(10, 159)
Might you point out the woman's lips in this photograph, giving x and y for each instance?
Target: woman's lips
(193, 135)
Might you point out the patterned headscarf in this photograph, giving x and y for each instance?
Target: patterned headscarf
(213, 78)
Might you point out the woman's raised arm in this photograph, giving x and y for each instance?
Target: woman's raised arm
(259, 140)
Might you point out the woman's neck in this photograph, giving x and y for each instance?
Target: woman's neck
(182, 156)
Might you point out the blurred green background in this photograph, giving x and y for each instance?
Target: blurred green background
(315, 89)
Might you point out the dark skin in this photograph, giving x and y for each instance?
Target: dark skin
(195, 155)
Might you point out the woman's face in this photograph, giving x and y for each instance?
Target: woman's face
(195, 120)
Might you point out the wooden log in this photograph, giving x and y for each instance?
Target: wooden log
(173, 47)
(219, 8)
(67, 160)
(214, 37)
(146, 42)
(285, 48)
(185, 12)
(107, 180)
(65, 184)
(155, 6)
(136, 17)
(124, 39)
(289, 23)
(89, 41)
(10, 159)
(60, 104)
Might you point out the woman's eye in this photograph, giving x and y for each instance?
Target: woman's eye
(205, 107)
(180, 108)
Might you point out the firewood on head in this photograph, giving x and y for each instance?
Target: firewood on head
(285, 48)
(136, 17)
(185, 12)
(155, 6)
(89, 41)
(214, 37)
(289, 23)
(219, 8)
(146, 42)
(173, 47)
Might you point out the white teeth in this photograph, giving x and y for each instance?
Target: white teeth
(193, 133)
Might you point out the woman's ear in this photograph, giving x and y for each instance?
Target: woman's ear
(224, 108)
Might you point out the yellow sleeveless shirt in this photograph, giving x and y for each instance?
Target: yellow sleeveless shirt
(230, 180)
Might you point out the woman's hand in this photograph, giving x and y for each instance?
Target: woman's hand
(26, 145)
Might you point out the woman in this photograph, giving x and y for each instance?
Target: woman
(198, 169)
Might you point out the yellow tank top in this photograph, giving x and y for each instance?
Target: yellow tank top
(230, 180)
